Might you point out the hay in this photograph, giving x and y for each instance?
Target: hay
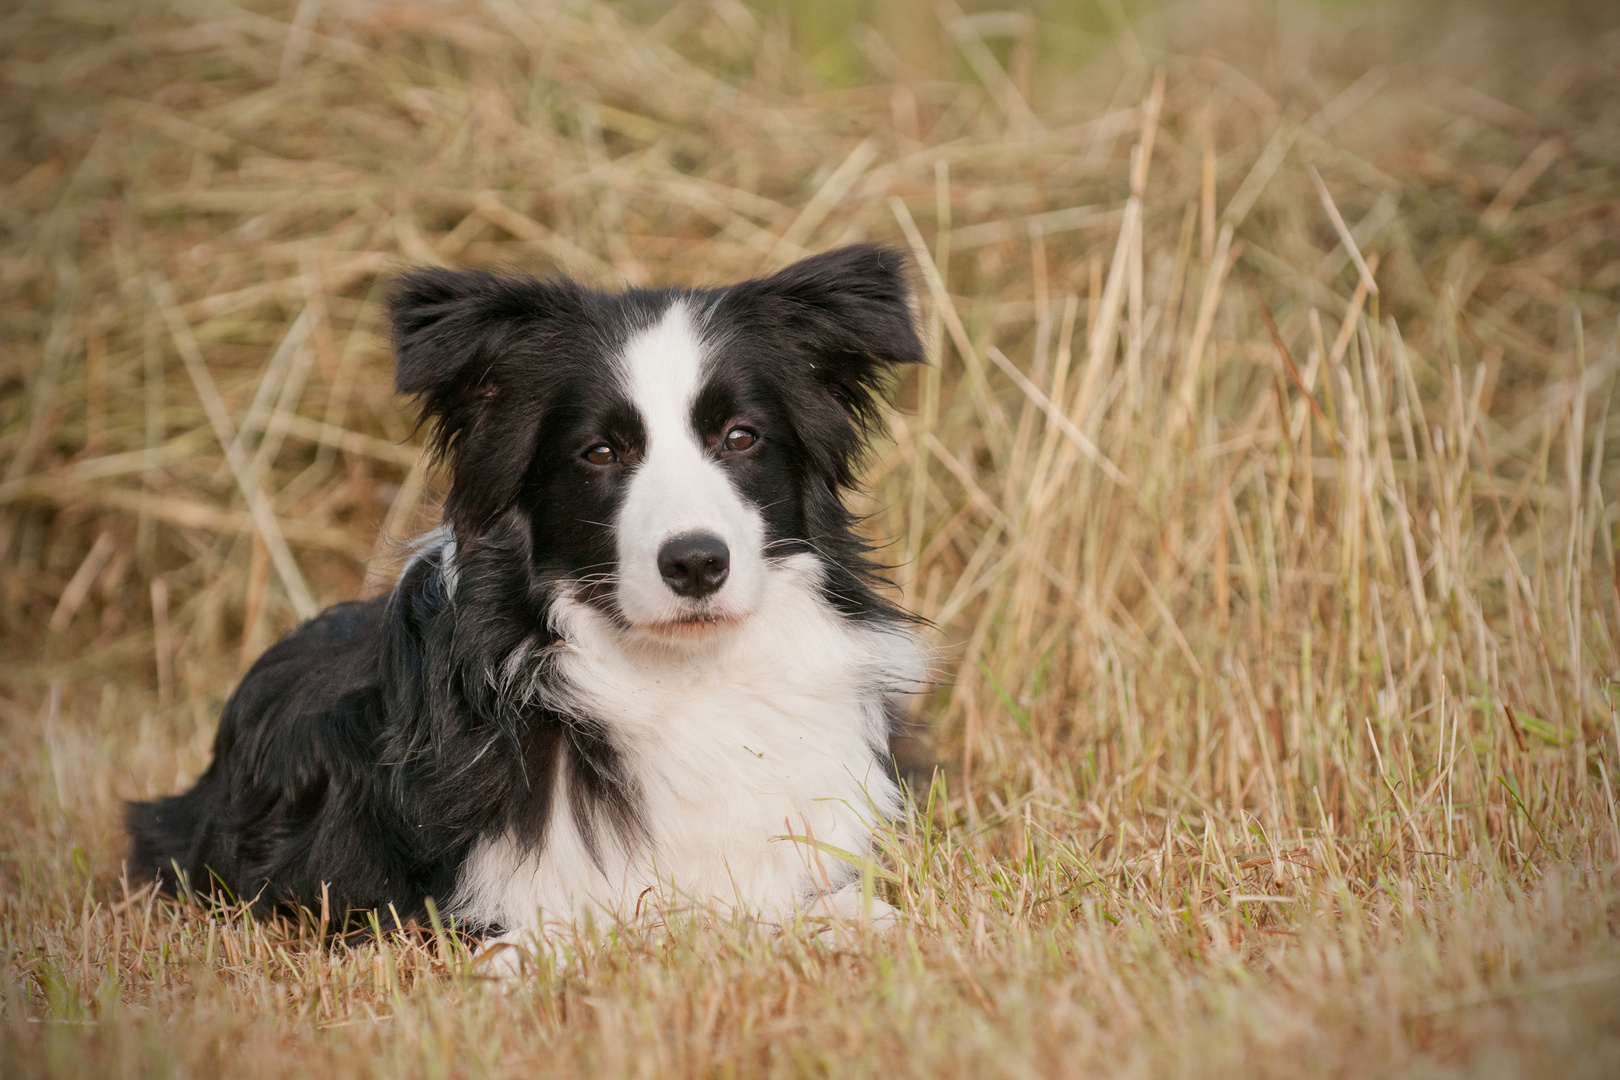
(1263, 493)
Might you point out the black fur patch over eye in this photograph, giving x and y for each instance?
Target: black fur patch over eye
(831, 330)
(502, 365)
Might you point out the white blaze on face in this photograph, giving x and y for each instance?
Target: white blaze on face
(679, 488)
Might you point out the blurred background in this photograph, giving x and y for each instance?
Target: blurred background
(1263, 485)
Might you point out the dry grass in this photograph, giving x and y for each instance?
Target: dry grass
(1276, 668)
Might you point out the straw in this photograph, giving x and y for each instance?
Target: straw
(1258, 500)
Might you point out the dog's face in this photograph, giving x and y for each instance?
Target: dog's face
(663, 449)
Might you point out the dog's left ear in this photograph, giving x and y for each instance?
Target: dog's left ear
(470, 346)
(846, 315)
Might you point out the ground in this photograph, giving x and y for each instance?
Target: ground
(1261, 495)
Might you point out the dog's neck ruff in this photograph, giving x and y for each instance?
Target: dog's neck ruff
(749, 750)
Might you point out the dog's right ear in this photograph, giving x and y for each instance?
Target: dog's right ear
(465, 340)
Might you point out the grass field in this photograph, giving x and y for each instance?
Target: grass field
(1262, 495)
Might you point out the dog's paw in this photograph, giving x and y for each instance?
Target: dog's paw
(847, 909)
(507, 958)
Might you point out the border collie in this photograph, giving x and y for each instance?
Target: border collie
(645, 651)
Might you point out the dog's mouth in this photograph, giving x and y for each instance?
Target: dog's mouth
(691, 627)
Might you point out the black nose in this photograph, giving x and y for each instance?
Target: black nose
(695, 564)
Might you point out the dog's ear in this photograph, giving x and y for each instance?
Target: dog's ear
(851, 308)
(847, 315)
(466, 344)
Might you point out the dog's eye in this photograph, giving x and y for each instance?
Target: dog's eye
(601, 454)
(739, 439)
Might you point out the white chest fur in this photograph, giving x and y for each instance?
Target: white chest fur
(773, 729)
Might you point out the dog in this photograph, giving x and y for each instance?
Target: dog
(646, 649)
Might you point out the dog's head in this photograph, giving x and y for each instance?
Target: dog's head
(664, 448)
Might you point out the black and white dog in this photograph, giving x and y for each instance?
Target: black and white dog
(644, 649)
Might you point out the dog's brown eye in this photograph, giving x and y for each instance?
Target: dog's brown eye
(740, 439)
(601, 454)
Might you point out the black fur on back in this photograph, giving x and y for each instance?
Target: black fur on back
(370, 748)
